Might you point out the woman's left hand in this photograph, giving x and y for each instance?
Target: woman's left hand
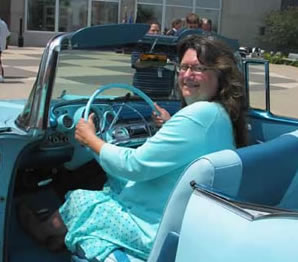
(163, 116)
(86, 134)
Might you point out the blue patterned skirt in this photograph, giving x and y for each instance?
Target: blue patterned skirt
(98, 224)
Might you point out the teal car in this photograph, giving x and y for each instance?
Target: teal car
(117, 72)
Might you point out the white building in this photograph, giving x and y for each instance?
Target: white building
(41, 19)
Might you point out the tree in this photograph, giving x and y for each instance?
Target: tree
(281, 30)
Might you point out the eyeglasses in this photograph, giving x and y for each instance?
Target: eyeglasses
(193, 68)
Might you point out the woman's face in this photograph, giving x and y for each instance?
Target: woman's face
(196, 85)
(154, 29)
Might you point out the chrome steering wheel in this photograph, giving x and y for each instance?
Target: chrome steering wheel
(134, 90)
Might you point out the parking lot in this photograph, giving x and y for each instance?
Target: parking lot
(21, 66)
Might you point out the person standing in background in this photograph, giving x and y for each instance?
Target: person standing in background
(154, 80)
(155, 28)
(4, 33)
(193, 21)
(206, 24)
(176, 25)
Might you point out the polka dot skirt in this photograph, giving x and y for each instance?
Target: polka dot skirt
(99, 225)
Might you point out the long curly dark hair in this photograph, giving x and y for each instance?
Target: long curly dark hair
(216, 54)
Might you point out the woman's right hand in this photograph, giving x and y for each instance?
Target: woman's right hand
(163, 116)
(85, 134)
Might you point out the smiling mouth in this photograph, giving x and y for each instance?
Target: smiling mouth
(192, 85)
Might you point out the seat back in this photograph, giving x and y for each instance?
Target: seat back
(268, 170)
(214, 228)
(261, 174)
(203, 171)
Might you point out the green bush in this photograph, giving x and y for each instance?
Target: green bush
(281, 31)
(292, 63)
(278, 58)
(274, 58)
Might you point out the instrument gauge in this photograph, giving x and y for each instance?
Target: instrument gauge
(65, 123)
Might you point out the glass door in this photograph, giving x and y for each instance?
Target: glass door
(104, 12)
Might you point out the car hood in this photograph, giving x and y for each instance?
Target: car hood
(10, 109)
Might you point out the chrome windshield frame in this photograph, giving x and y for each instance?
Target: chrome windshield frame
(35, 113)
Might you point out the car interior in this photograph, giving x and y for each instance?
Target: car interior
(260, 177)
(247, 196)
(55, 164)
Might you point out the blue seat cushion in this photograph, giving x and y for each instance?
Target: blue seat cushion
(263, 164)
(169, 248)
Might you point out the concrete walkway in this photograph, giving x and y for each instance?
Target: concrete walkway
(21, 66)
(20, 69)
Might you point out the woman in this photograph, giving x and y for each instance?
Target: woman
(102, 221)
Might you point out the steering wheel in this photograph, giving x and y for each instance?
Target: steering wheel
(136, 91)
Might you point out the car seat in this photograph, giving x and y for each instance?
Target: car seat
(262, 174)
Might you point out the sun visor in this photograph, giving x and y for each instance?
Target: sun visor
(108, 35)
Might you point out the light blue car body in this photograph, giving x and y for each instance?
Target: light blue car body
(24, 125)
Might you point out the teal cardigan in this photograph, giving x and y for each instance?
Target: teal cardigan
(153, 168)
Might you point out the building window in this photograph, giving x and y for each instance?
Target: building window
(166, 10)
(72, 14)
(210, 14)
(210, 10)
(180, 3)
(176, 9)
(148, 12)
(208, 4)
(173, 12)
(150, 2)
(41, 15)
(104, 12)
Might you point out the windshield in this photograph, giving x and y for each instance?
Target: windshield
(80, 72)
(78, 63)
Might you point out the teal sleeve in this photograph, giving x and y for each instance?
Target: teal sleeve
(177, 143)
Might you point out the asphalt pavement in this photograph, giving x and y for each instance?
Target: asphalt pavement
(21, 67)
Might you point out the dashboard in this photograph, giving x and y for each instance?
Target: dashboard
(121, 123)
(115, 122)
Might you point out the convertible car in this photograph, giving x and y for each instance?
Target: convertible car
(228, 206)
